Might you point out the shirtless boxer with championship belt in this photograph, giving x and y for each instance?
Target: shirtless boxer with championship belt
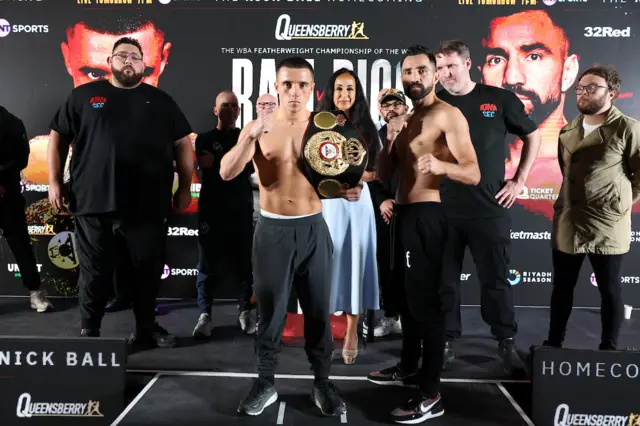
(425, 146)
(292, 244)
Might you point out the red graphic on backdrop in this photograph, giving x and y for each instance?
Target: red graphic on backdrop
(319, 95)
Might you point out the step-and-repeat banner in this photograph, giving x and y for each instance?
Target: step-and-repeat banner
(196, 48)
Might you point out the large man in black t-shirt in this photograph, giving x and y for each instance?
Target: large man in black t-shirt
(126, 135)
(225, 218)
(479, 214)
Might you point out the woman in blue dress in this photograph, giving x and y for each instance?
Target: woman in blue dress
(354, 284)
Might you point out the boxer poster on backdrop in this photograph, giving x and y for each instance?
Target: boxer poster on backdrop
(196, 48)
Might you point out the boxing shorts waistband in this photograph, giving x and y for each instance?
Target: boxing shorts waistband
(313, 219)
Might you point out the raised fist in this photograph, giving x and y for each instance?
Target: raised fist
(395, 126)
(261, 125)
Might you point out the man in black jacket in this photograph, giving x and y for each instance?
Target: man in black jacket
(14, 156)
(391, 103)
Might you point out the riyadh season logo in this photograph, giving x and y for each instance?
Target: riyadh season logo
(516, 277)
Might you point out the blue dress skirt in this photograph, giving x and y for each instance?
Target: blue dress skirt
(352, 224)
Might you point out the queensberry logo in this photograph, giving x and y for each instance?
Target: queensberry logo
(98, 101)
(488, 110)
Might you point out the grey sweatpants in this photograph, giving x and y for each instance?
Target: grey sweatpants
(288, 252)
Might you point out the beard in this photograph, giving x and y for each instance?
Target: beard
(127, 79)
(540, 110)
(420, 92)
(591, 106)
(390, 115)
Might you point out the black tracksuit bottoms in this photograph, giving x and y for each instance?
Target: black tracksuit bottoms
(419, 232)
(293, 252)
(13, 223)
(140, 243)
(489, 240)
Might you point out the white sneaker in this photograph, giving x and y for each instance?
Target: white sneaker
(203, 327)
(247, 321)
(388, 326)
(39, 301)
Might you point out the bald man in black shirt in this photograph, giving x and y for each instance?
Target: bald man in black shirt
(479, 215)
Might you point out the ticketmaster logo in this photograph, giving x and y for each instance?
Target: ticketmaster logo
(287, 31)
(527, 235)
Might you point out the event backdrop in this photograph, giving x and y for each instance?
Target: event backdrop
(196, 48)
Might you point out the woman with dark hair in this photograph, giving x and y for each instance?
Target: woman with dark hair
(351, 220)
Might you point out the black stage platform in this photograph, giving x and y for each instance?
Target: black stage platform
(203, 382)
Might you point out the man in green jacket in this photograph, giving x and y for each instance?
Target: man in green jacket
(599, 155)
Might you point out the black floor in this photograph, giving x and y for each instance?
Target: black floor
(214, 401)
(231, 351)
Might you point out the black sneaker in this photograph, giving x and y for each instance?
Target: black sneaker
(393, 376)
(325, 396)
(157, 337)
(88, 332)
(418, 410)
(261, 395)
(510, 359)
(448, 354)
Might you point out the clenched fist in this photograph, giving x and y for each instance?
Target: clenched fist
(428, 164)
(261, 125)
(395, 126)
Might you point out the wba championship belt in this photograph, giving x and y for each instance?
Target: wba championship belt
(333, 153)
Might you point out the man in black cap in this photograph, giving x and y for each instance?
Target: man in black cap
(14, 156)
(391, 103)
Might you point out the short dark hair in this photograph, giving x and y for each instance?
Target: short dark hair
(295, 62)
(117, 23)
(416, 50)
(453, 46)
(127, 40)
(610, 75)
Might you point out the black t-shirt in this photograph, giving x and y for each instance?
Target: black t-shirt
(491, 112)
(123, 148)
(232, 198)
